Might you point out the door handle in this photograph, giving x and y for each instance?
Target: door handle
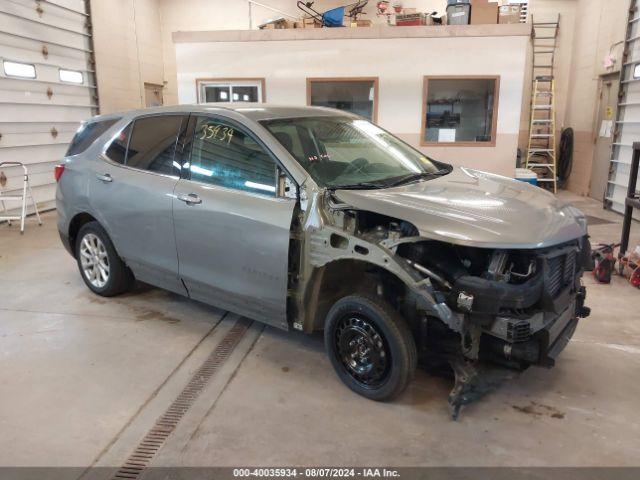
(104, 177)
(190, 199)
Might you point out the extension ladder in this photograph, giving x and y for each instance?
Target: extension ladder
(26, 190)
(541, 150)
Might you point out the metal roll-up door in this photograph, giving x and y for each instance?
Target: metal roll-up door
(626, 128)
(47, 87)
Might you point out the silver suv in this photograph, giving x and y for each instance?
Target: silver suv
(315, 219)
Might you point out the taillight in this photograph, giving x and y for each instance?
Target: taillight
(58, 170)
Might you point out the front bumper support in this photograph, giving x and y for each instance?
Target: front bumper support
(475, 379)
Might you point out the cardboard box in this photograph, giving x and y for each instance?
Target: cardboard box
(278, 24)
(309, 22)
(410, 19)
(483, 12)
(509, 14)
(361, 23)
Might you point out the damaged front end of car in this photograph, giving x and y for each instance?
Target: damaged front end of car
(515, 308)
(467, 306)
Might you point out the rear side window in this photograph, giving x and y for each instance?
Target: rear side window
(153, 143)
(87, 134)
(117, 151)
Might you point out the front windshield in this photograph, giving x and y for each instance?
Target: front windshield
(346, 152)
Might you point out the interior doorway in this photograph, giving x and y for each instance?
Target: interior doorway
(605, 125)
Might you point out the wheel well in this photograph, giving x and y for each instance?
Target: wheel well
(75, 225)
(346, 277)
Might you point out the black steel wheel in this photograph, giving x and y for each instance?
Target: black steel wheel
(362, 350)
(370, 347)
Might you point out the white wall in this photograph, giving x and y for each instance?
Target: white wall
(589, 30)
(400, 65)
(128, 51)
(193, 15)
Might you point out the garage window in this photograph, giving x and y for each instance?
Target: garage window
(71, 76)
(18, 69)
(460, 111)
(355, 95)
(226, 156)
(230, 90)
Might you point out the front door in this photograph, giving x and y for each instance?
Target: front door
(232, 230)
(132, 197)
(606, 123)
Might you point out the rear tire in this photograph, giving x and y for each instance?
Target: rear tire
(102, 270)
(370, 347)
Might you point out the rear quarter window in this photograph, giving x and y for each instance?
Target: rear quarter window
(117, 151)
(87, 134)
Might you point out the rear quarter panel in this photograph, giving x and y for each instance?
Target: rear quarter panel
(72, 191)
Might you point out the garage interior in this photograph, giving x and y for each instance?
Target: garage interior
(86, 379)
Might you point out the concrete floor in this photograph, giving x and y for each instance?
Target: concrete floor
(83, 379)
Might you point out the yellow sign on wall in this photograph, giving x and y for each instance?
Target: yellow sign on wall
(609, 113)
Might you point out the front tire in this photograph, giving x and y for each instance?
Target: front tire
(370, 347)
(102, 270)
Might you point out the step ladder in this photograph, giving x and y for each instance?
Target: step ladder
(26, 191)
(541, 150)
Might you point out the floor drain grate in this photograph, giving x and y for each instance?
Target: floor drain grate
(164, 426)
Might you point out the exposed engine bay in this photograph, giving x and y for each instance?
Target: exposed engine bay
(467, 306)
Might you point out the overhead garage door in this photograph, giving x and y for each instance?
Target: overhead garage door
(47, 87)
(627, 125)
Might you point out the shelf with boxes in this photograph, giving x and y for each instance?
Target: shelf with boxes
(455, 12)
(482, 12)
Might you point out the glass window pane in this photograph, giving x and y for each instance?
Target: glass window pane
(460, 110)
(339, 151)
(290, 136)
(117, 151)
(245, 94)
(71, 76)
(153, 143)
(17, 69)
(355, 97)
(223, 155)
(87, 134)
(217, 94)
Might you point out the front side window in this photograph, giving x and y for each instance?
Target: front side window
(357, 96)
(342, 152)
(153, 142)
(225, 155)
(230, 91)
(460, 110)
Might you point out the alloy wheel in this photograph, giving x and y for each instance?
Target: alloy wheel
(94, 260)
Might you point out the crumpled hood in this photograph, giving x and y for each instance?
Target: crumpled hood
(469, 207)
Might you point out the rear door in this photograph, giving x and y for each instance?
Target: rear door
(132, 193)
(232, 230)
